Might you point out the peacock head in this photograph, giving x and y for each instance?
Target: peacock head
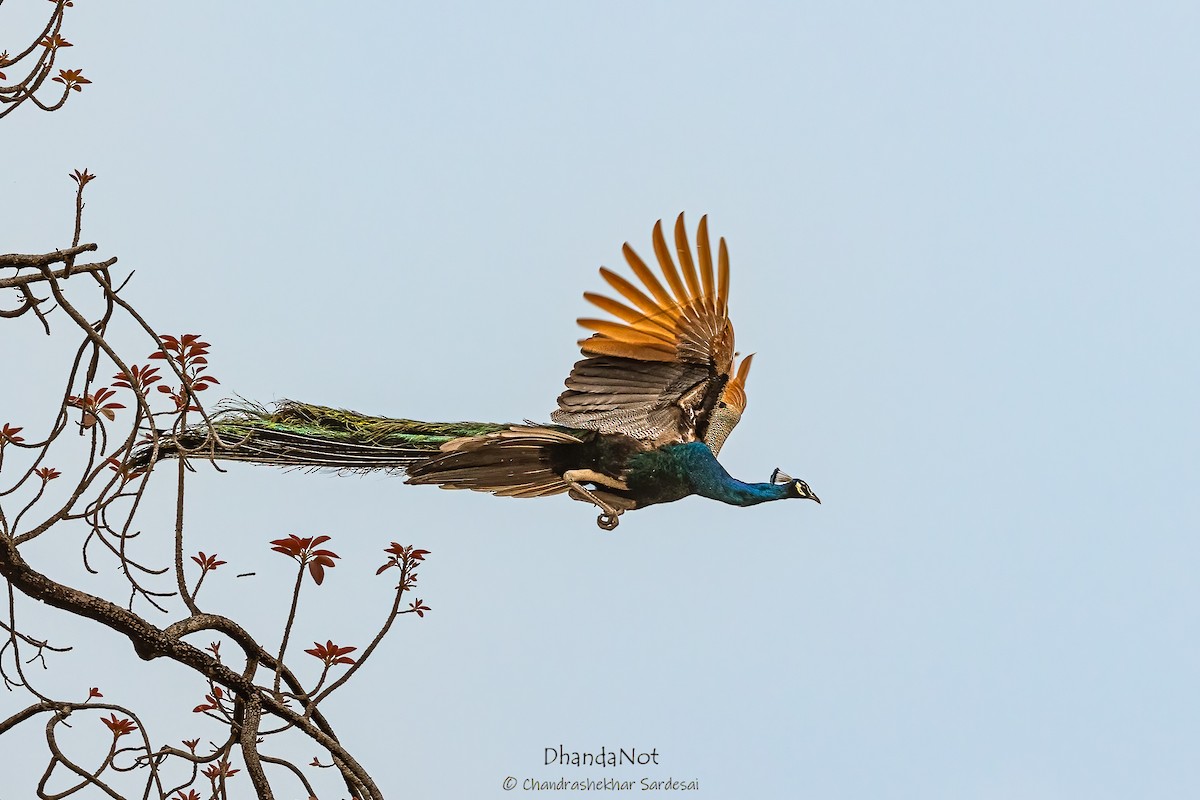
(795, 486)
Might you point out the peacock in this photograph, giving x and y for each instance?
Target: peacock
(642, 420)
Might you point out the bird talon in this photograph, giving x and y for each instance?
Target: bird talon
(608, 522)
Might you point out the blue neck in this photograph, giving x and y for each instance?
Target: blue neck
(709, 479)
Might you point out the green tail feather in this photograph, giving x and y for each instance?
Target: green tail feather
(301, 435)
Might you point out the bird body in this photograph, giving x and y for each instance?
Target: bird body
(642, 420)
(673, 472)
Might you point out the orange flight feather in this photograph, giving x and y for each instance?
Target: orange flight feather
(735, 391)
(680, 316)
(667, 265)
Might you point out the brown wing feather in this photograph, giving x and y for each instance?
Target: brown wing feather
(657, 372)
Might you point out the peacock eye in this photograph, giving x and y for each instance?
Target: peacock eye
(722, 404)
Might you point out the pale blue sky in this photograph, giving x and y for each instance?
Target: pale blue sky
(965, 249)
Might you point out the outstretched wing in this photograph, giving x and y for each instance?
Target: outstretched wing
(663, 371)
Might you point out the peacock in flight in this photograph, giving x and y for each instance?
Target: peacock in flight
(642, 420)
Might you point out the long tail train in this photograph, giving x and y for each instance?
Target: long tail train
(301, 435)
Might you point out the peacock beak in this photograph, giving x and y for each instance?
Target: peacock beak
(814, 497)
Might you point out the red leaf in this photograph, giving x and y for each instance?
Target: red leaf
(331, 654)
(9, 434)
(119, 727)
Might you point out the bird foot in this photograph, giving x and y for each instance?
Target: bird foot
(609, 514)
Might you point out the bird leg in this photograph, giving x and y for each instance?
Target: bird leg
(610, 512)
